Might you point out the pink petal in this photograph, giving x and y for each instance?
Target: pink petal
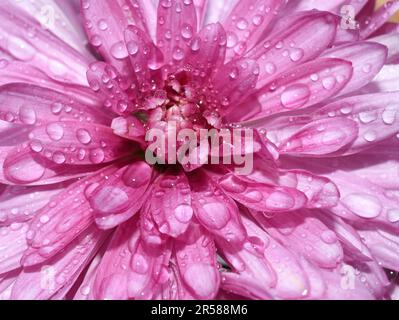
(275, 54)
(367, 59)
(271, 272)
(246, 27)
(234, 82)
(145, 56)
(376, 115)
(12, 246)
(304, 86)
(262, 197)
(128, 269)
(7, 282)
(219, 10)
(386, 81)
(66, 216)
(67, 25)
(19, 203)
(129, 128)
(120, 196)
(321, 137)
(178, 25)
(105, 23)
(24, 72)
(85, 291)
(205, 56)
(20, 165)
(215, 210)
(45, 51)
(384, 246)
(321, 5)
(171, 204)
(391, 42)
(46, 281)
(33, 105)
(361, 200)
(320, 191)
(306, 235)
(196, 262)
(104, 79)
(347, 235)
(381, 16)
(71, 142)
(201, 9)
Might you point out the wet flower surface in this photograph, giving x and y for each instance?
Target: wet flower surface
(85, 215)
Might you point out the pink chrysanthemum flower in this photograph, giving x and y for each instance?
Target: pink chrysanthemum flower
(83, 215)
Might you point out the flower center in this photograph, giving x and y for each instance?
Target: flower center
(183, 102)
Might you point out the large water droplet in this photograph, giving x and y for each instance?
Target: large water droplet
(55, 131)
(183, 213)
(389, 115)
(83, 136)
(27, 115)
(109, 200)
(119, 50)
(242, 24)
(132, 47)
(295, 96)
(139, 264)
(25, 170)
(279, 201)
(363, 205)
(214, 215)
(393, 215)
(20, 49)
(329, 237)
(296, 54)
(97, 156)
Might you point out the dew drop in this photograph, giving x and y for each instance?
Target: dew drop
(27, 115)
(393, 215)
(183, 213)
(295, 96)
(119, 50)
(363, 205)
(55, 131)
(97, 156)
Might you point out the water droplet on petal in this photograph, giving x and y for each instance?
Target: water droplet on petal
(329, 237)
(242, 24)
(27, 115)
(295, 96)
(139, 264)
(296, 54)
(25, 170)
(279, 201)
(393, 215)
(59, 157)
(55, 131)
(83, 136)
(363, 205)
(183, 213)
(97, 156)
(214, 215)
(329, 83)
(119, 50)
(132, 47)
